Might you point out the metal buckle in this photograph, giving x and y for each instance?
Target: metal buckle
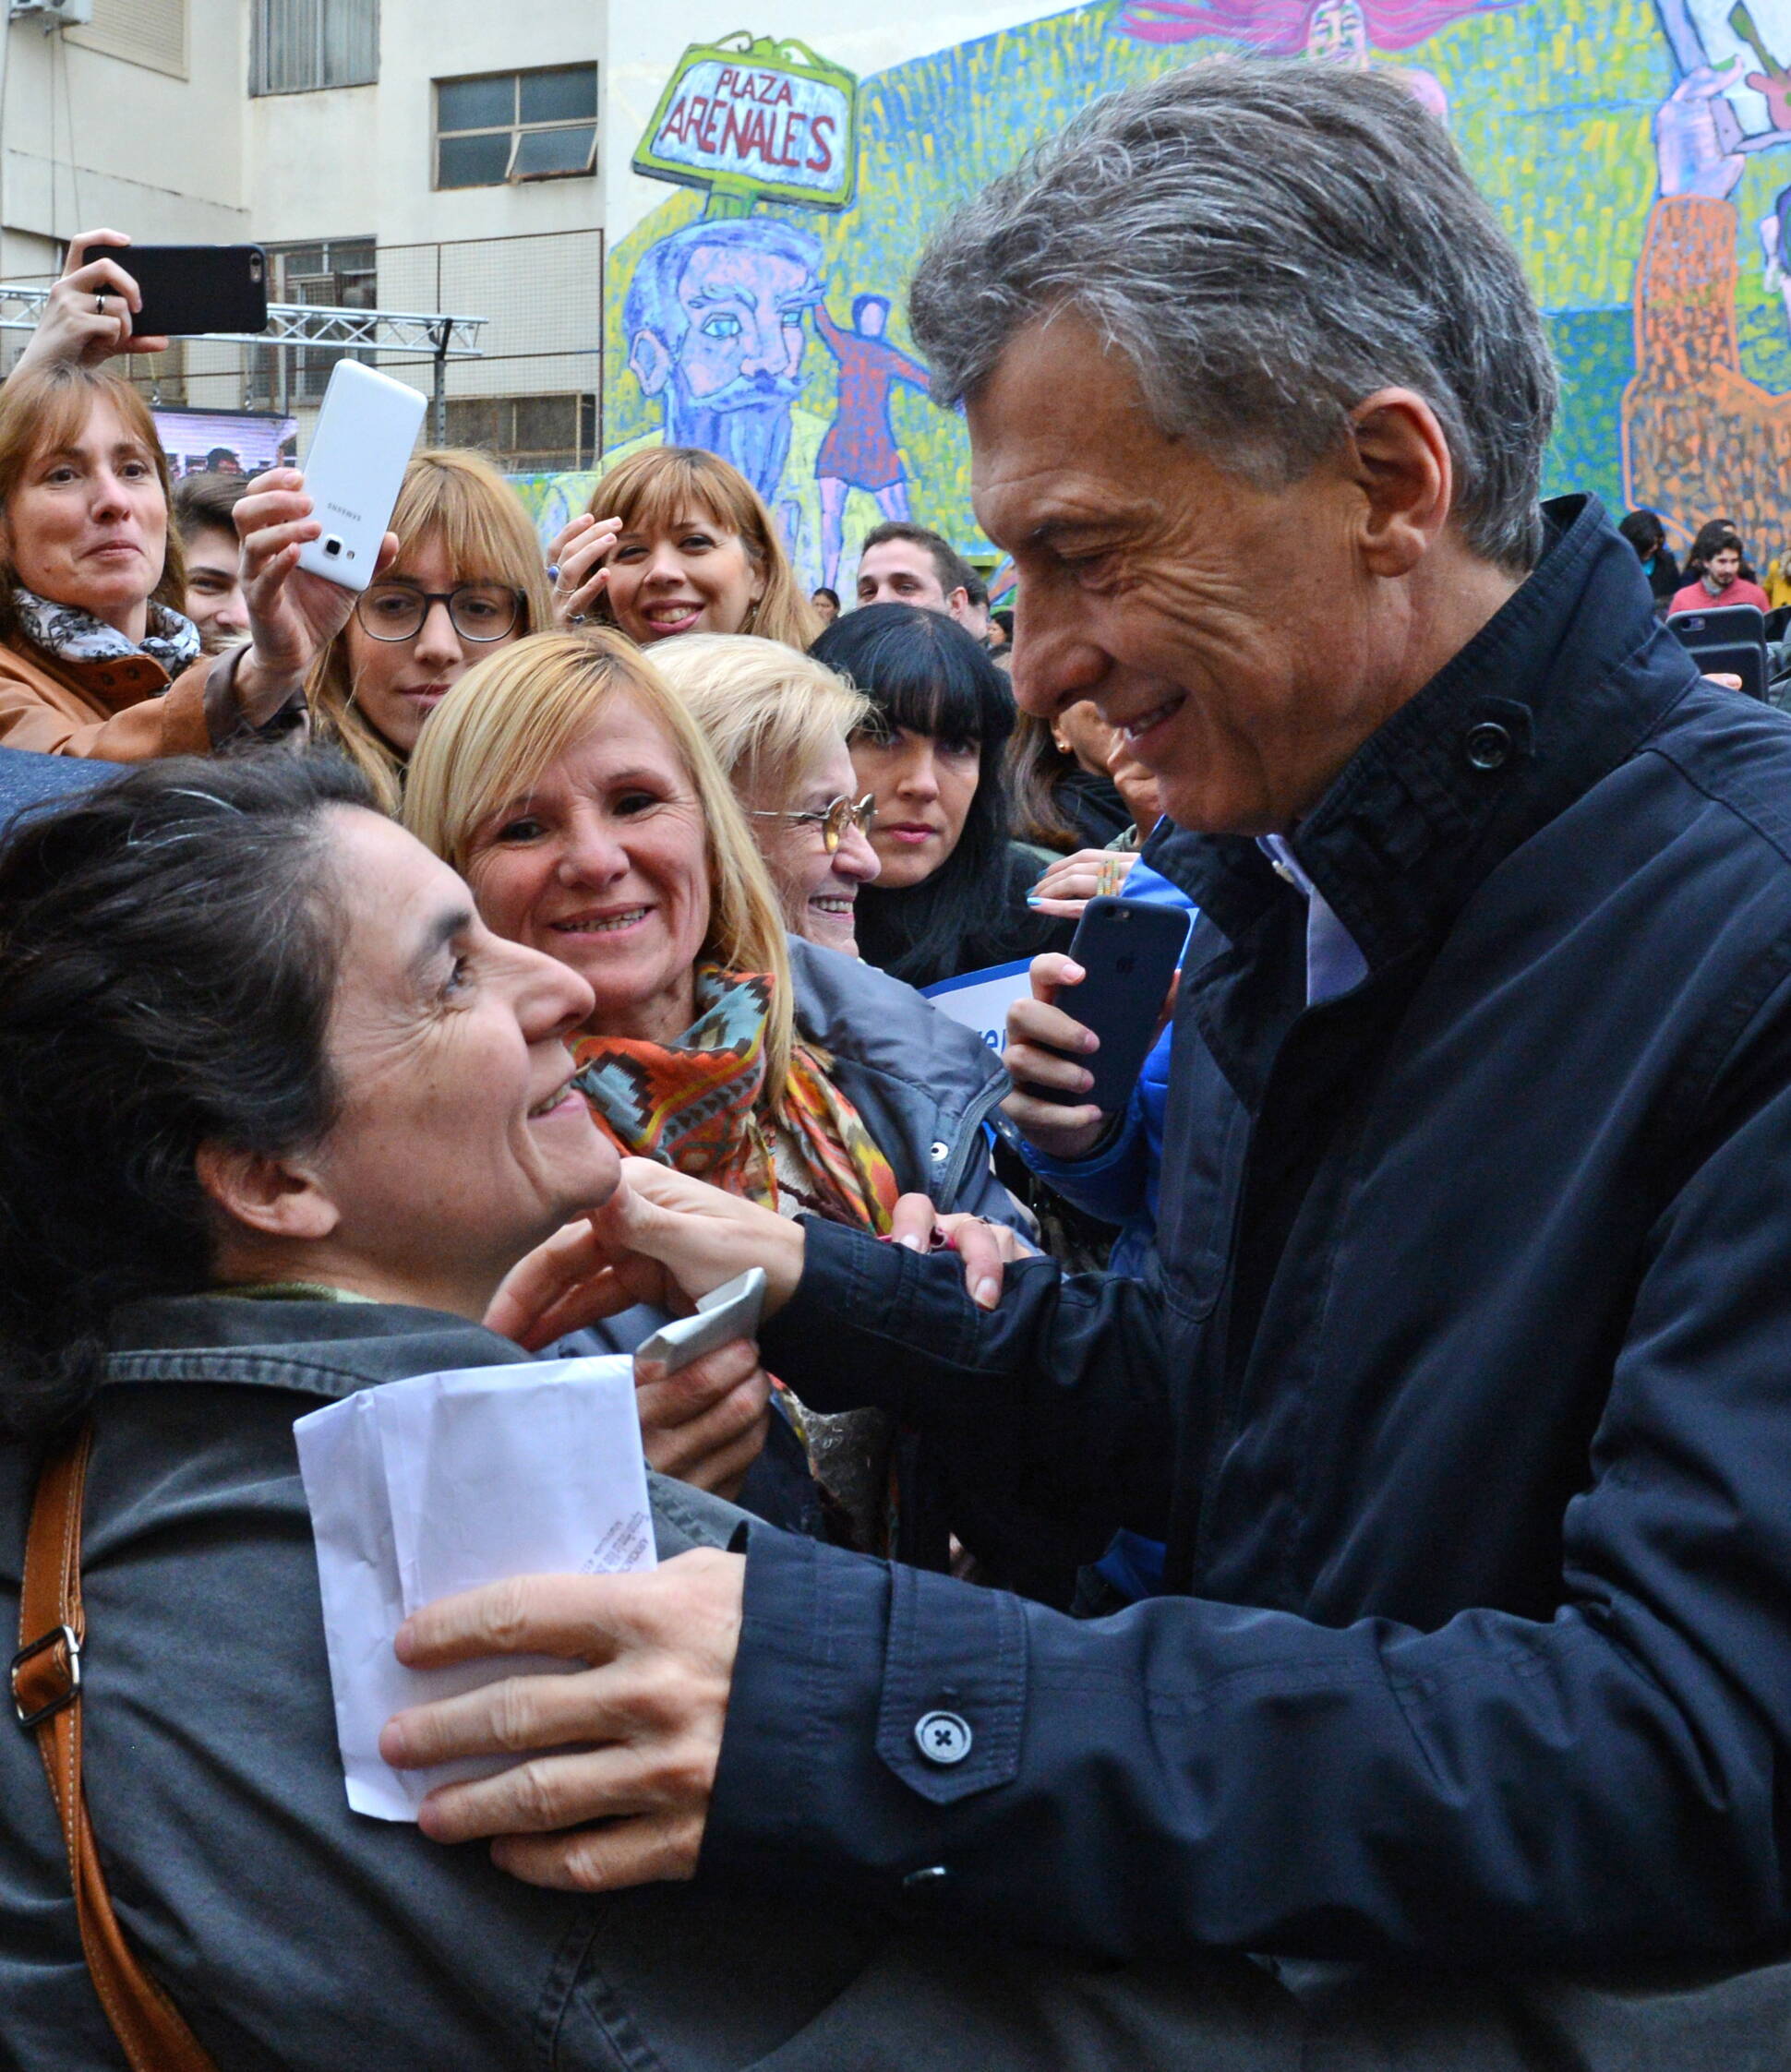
(71, 1644)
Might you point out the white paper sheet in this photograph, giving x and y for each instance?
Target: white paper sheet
(438, 1483)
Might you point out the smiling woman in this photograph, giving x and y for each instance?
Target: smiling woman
(685, 544)
(584, 806)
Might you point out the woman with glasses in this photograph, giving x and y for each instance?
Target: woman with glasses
(779, 723)
(467, 580)
(585, 807)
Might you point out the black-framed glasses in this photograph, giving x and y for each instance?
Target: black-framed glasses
(477, 611)
(833, 819)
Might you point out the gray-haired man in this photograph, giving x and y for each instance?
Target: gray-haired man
(1460, 1398)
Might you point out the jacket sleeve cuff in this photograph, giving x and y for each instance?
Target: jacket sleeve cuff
(825, 1767)
(225, 721)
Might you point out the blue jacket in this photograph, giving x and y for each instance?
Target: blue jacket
(1462, 1399)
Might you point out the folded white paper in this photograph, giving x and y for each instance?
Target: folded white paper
(438, 1483)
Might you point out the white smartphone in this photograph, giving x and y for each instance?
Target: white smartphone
(359, 451)
(728, 1311)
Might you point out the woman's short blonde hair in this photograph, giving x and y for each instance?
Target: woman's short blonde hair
(658, 486)
(456, 500)
(512, 716)
(47, 406)
(769, 713)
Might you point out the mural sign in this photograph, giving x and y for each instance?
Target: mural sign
(755, 120)
(1638, 152)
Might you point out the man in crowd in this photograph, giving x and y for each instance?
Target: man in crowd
(904, 564)
(1460, 1400)
(204, 509)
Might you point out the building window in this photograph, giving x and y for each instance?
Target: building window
(298, 46)
(339, 274)
(527, 435)
(516, 125)
(147, 32)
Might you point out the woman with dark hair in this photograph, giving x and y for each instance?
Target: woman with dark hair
(1713, 576)
(301, 1161)
(952, 893)
(1645, 532)
(1059, 792)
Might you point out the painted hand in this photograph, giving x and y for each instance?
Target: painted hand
(1696, 135)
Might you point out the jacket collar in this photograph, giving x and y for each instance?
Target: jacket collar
(1560, 687)
(319, 1348)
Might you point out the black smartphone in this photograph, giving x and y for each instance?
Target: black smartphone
(1730, 641)
(1129, 950)
(188, 289)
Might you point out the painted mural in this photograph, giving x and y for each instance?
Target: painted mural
(1638, 152)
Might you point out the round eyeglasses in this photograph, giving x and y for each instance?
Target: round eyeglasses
(834, 819)
(477, 611)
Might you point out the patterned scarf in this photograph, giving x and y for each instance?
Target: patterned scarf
(73, 635)
(694, 1104)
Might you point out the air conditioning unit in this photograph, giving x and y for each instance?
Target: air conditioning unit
(53, 14)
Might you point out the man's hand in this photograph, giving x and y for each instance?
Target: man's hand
(705, 1424)
(87, 314)
(578, 559)
(662, 1238)
(644, 1719)
(293, 615)
(984, 1247)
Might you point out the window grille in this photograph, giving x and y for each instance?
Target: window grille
(147, 32)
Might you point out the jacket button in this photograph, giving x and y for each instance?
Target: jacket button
(943, 1737)
(1488, 746)
(940, 1152)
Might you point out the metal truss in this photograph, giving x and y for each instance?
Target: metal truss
(298, 323)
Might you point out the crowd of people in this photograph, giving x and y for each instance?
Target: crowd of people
(1295, 1564)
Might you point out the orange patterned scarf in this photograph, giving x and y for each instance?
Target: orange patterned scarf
(696, 1104)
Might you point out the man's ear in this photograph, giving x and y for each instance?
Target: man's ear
(957, 601)
(273, 1197)
(1400, 462)
(649, 362)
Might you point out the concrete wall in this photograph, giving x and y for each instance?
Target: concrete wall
(88, 136)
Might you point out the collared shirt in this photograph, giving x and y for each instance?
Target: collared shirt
(1334, 965)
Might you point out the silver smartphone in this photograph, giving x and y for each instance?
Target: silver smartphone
(726, 1313)
(359, 451)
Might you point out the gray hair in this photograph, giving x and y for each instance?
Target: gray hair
(1268, 243)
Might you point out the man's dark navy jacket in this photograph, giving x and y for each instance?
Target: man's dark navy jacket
(1465, 1402)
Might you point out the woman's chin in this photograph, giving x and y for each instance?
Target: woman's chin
(831, 931)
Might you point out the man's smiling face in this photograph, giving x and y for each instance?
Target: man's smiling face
(1226, 629)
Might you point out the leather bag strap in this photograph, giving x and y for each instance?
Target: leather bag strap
(46, 1691)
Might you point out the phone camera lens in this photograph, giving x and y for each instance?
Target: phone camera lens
(332, 545)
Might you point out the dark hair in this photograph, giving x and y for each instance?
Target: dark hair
(1644, 532)
(207, 503)
(953, 571)
(1035, 766)
(1717, 537)
(167, 962)
(822, 589)
(925, 675)
(1002, 616)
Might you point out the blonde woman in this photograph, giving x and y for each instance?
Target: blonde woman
(677, 541)
(467, 580)
(779, 723)
(574, 792)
